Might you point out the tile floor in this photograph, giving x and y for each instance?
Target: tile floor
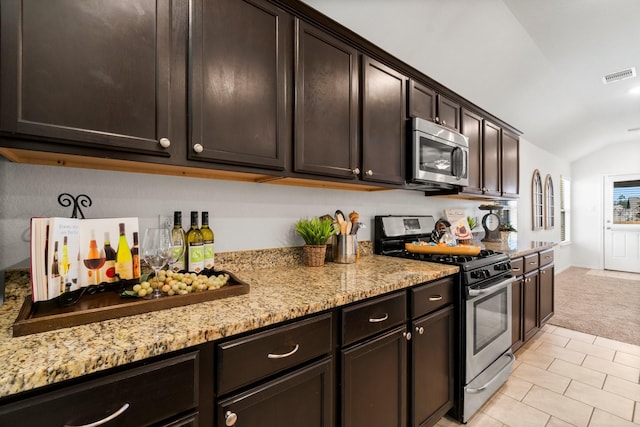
(566, 378)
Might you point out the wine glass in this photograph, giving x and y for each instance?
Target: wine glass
(156, 251)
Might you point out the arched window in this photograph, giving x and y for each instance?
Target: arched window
(537, 205)
(550, 207)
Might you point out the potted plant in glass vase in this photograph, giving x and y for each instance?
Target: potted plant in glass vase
(505, 231)
(315, 233)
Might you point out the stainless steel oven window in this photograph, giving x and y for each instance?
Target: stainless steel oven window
(490, 319)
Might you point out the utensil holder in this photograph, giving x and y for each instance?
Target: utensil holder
(344, 249)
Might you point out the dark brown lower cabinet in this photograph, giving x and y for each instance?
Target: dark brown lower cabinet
(152, 394)
(301, 398)
(530, 319)
(546, 293)
(432, 366)
(190, 420)
(517, 334)
(374, 381)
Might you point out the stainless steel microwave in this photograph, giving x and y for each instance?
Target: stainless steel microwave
(439, 157)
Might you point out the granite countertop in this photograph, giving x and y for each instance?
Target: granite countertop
(277, 294)
(518, 248)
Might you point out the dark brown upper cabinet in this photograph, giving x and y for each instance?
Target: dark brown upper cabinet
(510, 164)
(471, 127)
(491, 159)
(88, 73)
(383, 123)
(427, 104)
(326, 104)
(240, 59)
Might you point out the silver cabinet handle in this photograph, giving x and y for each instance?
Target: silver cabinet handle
(544, 271)
(198, 148)
(437, 119)
(515, 269)
(165, 142)
(369, 172)
(420, 330)
(104, 420)
(435, 298)
(378, 319)
(355, 171)
(230, 418)
(532, 263)
(407, 335)
(282, 356)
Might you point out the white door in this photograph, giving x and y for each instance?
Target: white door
(622, 223)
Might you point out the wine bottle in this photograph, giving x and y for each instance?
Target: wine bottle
(124, 260)
(195, 246)
(207, 240)
(93, 262)
(110, 260)
(64, 265)
(178, 235)
(135, 256)
(55, 272)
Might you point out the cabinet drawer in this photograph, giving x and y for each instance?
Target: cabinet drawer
(142, 396)
(368, 318)
(530, 263)
(245, 360)
(431, 296)
(517, 266)
(546, 257)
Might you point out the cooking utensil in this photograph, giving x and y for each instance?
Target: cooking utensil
(341, 222)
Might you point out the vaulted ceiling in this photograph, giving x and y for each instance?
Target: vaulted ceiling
(537, 64)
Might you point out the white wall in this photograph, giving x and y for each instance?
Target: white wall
(532, 158)
(587, 188)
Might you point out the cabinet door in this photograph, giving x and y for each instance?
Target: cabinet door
(517, 335)
(546, 293)
(510, 164)
(87, 72)
(491, 159)
(432, 367)
(326, 104)
(240, 68)
(448, 113)
(374, 382)
(471, 127)
(422, 101)
(383, 123)
(302, 398)
(530, 320)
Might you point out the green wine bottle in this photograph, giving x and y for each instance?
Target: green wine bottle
(208, 239)
(178, 235)
(195, 246)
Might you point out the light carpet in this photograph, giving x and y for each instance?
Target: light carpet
(599, 304)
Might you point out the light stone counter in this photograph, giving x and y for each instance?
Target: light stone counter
(277, 294)
(516, 248)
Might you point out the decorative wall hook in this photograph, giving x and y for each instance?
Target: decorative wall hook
(66, 199)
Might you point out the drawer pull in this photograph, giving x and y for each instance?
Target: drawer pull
(435, 298)
(282, 356)
(532, 263)
(420, 330)
(104, 420)
(230, 418)
(378, 319)
(515, 269)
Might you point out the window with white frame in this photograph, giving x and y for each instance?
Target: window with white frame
(537, 202)
(565, 210)
(549, 204)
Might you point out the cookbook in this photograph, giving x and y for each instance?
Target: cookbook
(71, 253)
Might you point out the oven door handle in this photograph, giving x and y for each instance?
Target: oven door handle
(491, 289)
(483, 387)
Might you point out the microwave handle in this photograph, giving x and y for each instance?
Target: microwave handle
(458, 156)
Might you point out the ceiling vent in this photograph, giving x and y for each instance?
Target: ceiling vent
(619, 75)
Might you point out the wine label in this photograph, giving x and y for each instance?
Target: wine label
(179, 264)
(125, 270)
(195, 257)
(208, 255)
(110, 271)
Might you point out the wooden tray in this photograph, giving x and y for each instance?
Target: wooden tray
(49, 315)
(442, 249)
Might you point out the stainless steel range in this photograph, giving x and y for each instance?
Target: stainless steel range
(483, 309)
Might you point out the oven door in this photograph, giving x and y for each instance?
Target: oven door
(488, 324)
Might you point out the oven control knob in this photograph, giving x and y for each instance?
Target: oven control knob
(501, 267)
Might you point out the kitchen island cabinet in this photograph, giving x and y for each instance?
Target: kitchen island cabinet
(72, 76)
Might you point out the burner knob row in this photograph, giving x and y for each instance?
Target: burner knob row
(480, 274)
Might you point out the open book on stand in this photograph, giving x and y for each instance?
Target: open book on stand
(68, 254)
